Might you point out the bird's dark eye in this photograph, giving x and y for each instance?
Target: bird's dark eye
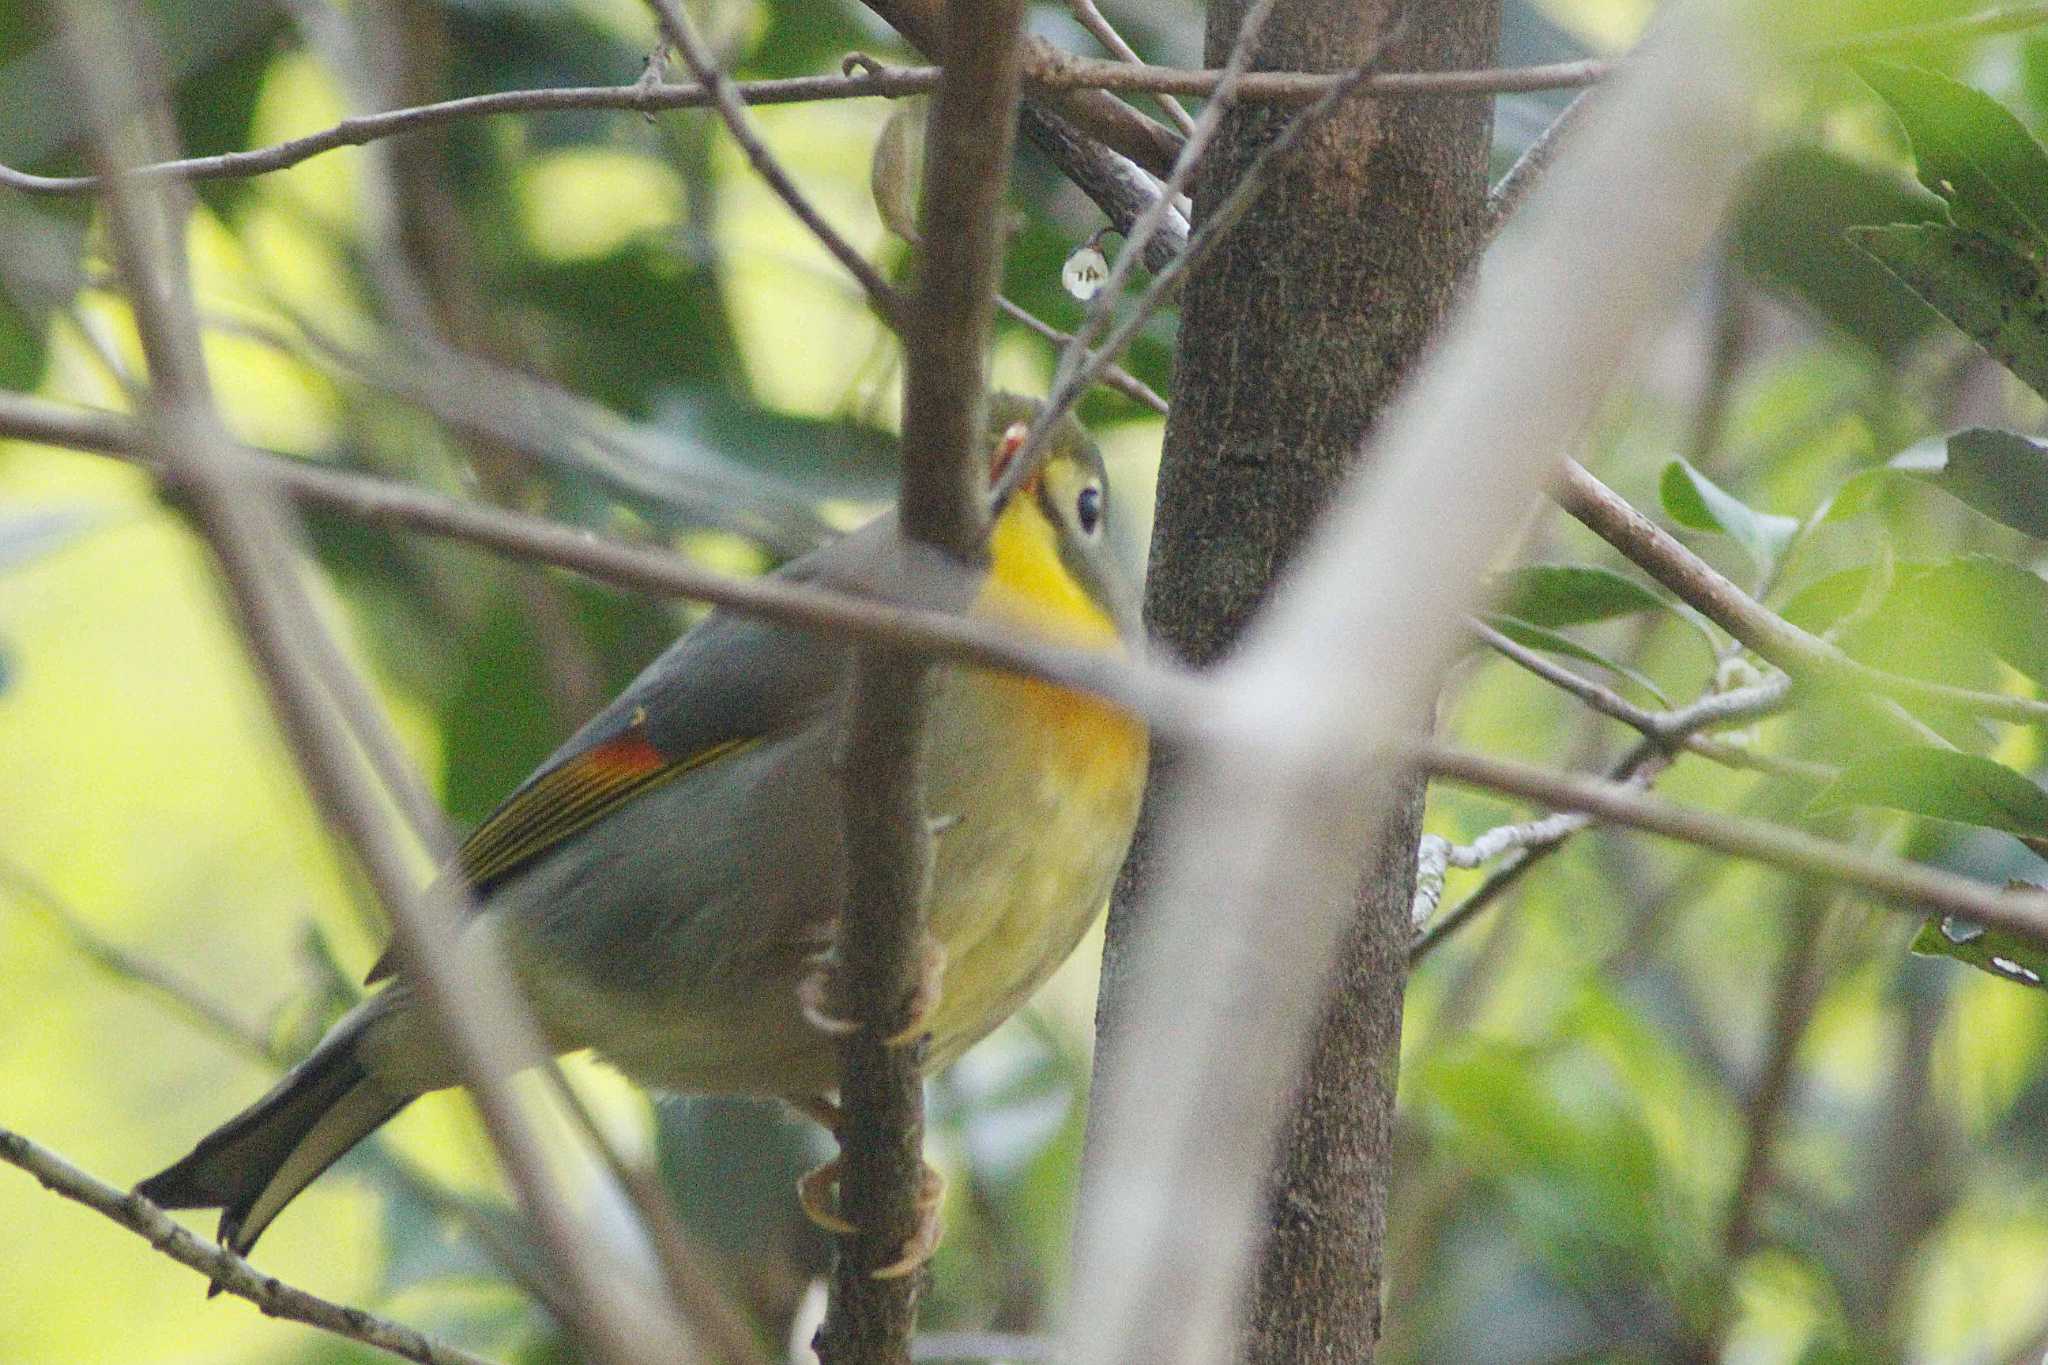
(1088, 509)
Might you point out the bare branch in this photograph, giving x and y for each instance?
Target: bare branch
(883, 947)
(1073, 378)
(1667, 728)
(1809, 659)
(227, 1270)
(1097, 113)
(1113, 376)
(117, 961)
(1078, 365)
(1048, 70)
(1529, 167)
(1120, 187)
(1911, 887)
(1097, 23)
(695, 1283)
(676, 28)
(887, 82)
(1170, 701)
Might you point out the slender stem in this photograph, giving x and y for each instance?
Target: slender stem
(1078, 375)
(1113, 376)
(1806, 657)
(117, 961)
(725, 98)
(1120, 187)
(1514, 187)
(1167, 698)
(1048, 72)
(1097, 23)
(883, 947)
(1911, 887)
(227, 1270)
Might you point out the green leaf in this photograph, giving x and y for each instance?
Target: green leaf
(1972, 152)
(1572, 594)
(2001, 474)
(2004, 955)
(1997, 297)
(1692, 499)
(1550, 642)
(1788, 235)
(1998, 604)
(1943, 785)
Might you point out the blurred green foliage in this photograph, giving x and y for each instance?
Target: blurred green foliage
(1656, 1104)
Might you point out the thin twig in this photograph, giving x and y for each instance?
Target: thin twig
(1221, 220)
(1113, 376)
(1792, 1006)
(1105, 120)
(1909, 886)
(227, 1270)
(1120, 187)
(1809, 659)
(112, 958)
(887, 82)
(1171, 702)
(1097, 23)
(1662, 732)
(1060, 72)
(1681, 726)
(697, 1286)
(1514, 187)
(1640, 767)
(1102, 307)
(725, 98)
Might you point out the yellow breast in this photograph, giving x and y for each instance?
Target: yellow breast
(1047, 783)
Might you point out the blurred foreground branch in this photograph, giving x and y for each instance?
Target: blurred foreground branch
(1265, 841)
(323, 709)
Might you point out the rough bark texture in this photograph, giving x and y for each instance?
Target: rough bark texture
(1291, 340)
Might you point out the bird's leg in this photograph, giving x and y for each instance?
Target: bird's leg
(816, 993)
(815, 1188)
(817, 1192)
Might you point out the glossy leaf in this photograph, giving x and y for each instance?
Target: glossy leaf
(1972, 152)
(1788, 231)
(1997, 297)
(2001, 474)
(2005, 956)
(1943, 785)
(1548, 641)
(1692, 499)
(1572, 594)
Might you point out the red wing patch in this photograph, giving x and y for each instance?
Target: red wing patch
(576, 793)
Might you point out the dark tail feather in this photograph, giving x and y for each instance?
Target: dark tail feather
(254, 1164)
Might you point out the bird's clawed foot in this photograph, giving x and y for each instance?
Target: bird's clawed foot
(817, 994)
(817, 1192)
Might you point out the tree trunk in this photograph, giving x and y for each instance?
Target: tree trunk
(1292, 338)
